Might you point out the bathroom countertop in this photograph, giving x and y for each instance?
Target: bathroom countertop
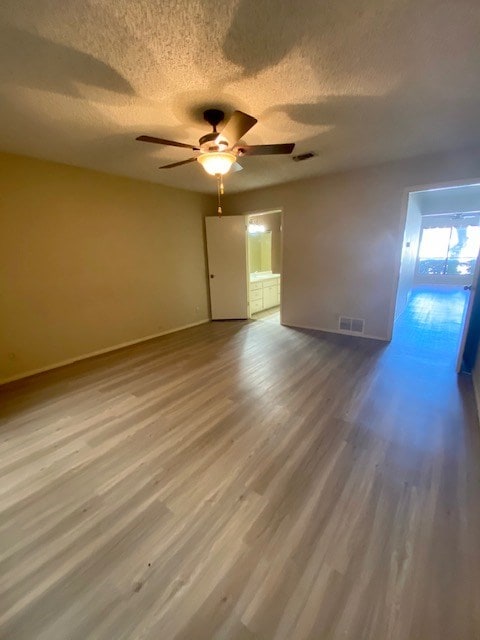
(255, 277)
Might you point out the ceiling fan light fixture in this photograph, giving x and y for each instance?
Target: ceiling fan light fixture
(217, 162)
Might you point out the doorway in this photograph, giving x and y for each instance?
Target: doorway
(264, 248)
(438, 268)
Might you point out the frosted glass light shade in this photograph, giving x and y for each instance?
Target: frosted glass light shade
(217, 162)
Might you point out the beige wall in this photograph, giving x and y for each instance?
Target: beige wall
(90, 261)
(342, 237)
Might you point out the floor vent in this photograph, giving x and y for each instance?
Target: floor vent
(352, 325)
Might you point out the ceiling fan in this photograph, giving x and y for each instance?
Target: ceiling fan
(219, 150)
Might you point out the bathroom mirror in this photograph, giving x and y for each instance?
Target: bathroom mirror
(260, 251)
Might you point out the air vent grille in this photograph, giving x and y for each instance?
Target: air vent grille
(304, 156)
(351, 325)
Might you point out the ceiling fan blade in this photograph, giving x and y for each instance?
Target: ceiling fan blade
(236, 127)
(177, 164)
(170, 143)
(265, 149)
(236, 167)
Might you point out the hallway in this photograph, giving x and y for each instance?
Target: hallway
(431, 324)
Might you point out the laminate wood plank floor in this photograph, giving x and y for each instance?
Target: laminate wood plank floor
(268, 315)
(245, 481)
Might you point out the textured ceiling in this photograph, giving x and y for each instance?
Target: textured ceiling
(356, 81)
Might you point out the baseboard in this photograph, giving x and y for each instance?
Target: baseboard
(99, 352)
(338, 333)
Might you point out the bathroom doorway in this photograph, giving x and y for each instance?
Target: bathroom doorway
(265, 265)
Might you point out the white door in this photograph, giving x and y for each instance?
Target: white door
(227, 266)
(468, 314)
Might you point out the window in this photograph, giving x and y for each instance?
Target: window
(448, 251)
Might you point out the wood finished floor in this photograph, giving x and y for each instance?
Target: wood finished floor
(269, 315)
(246, 481)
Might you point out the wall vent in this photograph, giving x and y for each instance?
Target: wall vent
(304, 156)
(352, 325)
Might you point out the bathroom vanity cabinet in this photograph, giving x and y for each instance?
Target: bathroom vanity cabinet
(264, 291)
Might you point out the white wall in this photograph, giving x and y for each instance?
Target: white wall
(455, 200)
(343, 237)
(411, 240)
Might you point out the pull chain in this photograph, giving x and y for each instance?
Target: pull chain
(219, 193)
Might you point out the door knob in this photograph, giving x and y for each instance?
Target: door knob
(212, 275)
